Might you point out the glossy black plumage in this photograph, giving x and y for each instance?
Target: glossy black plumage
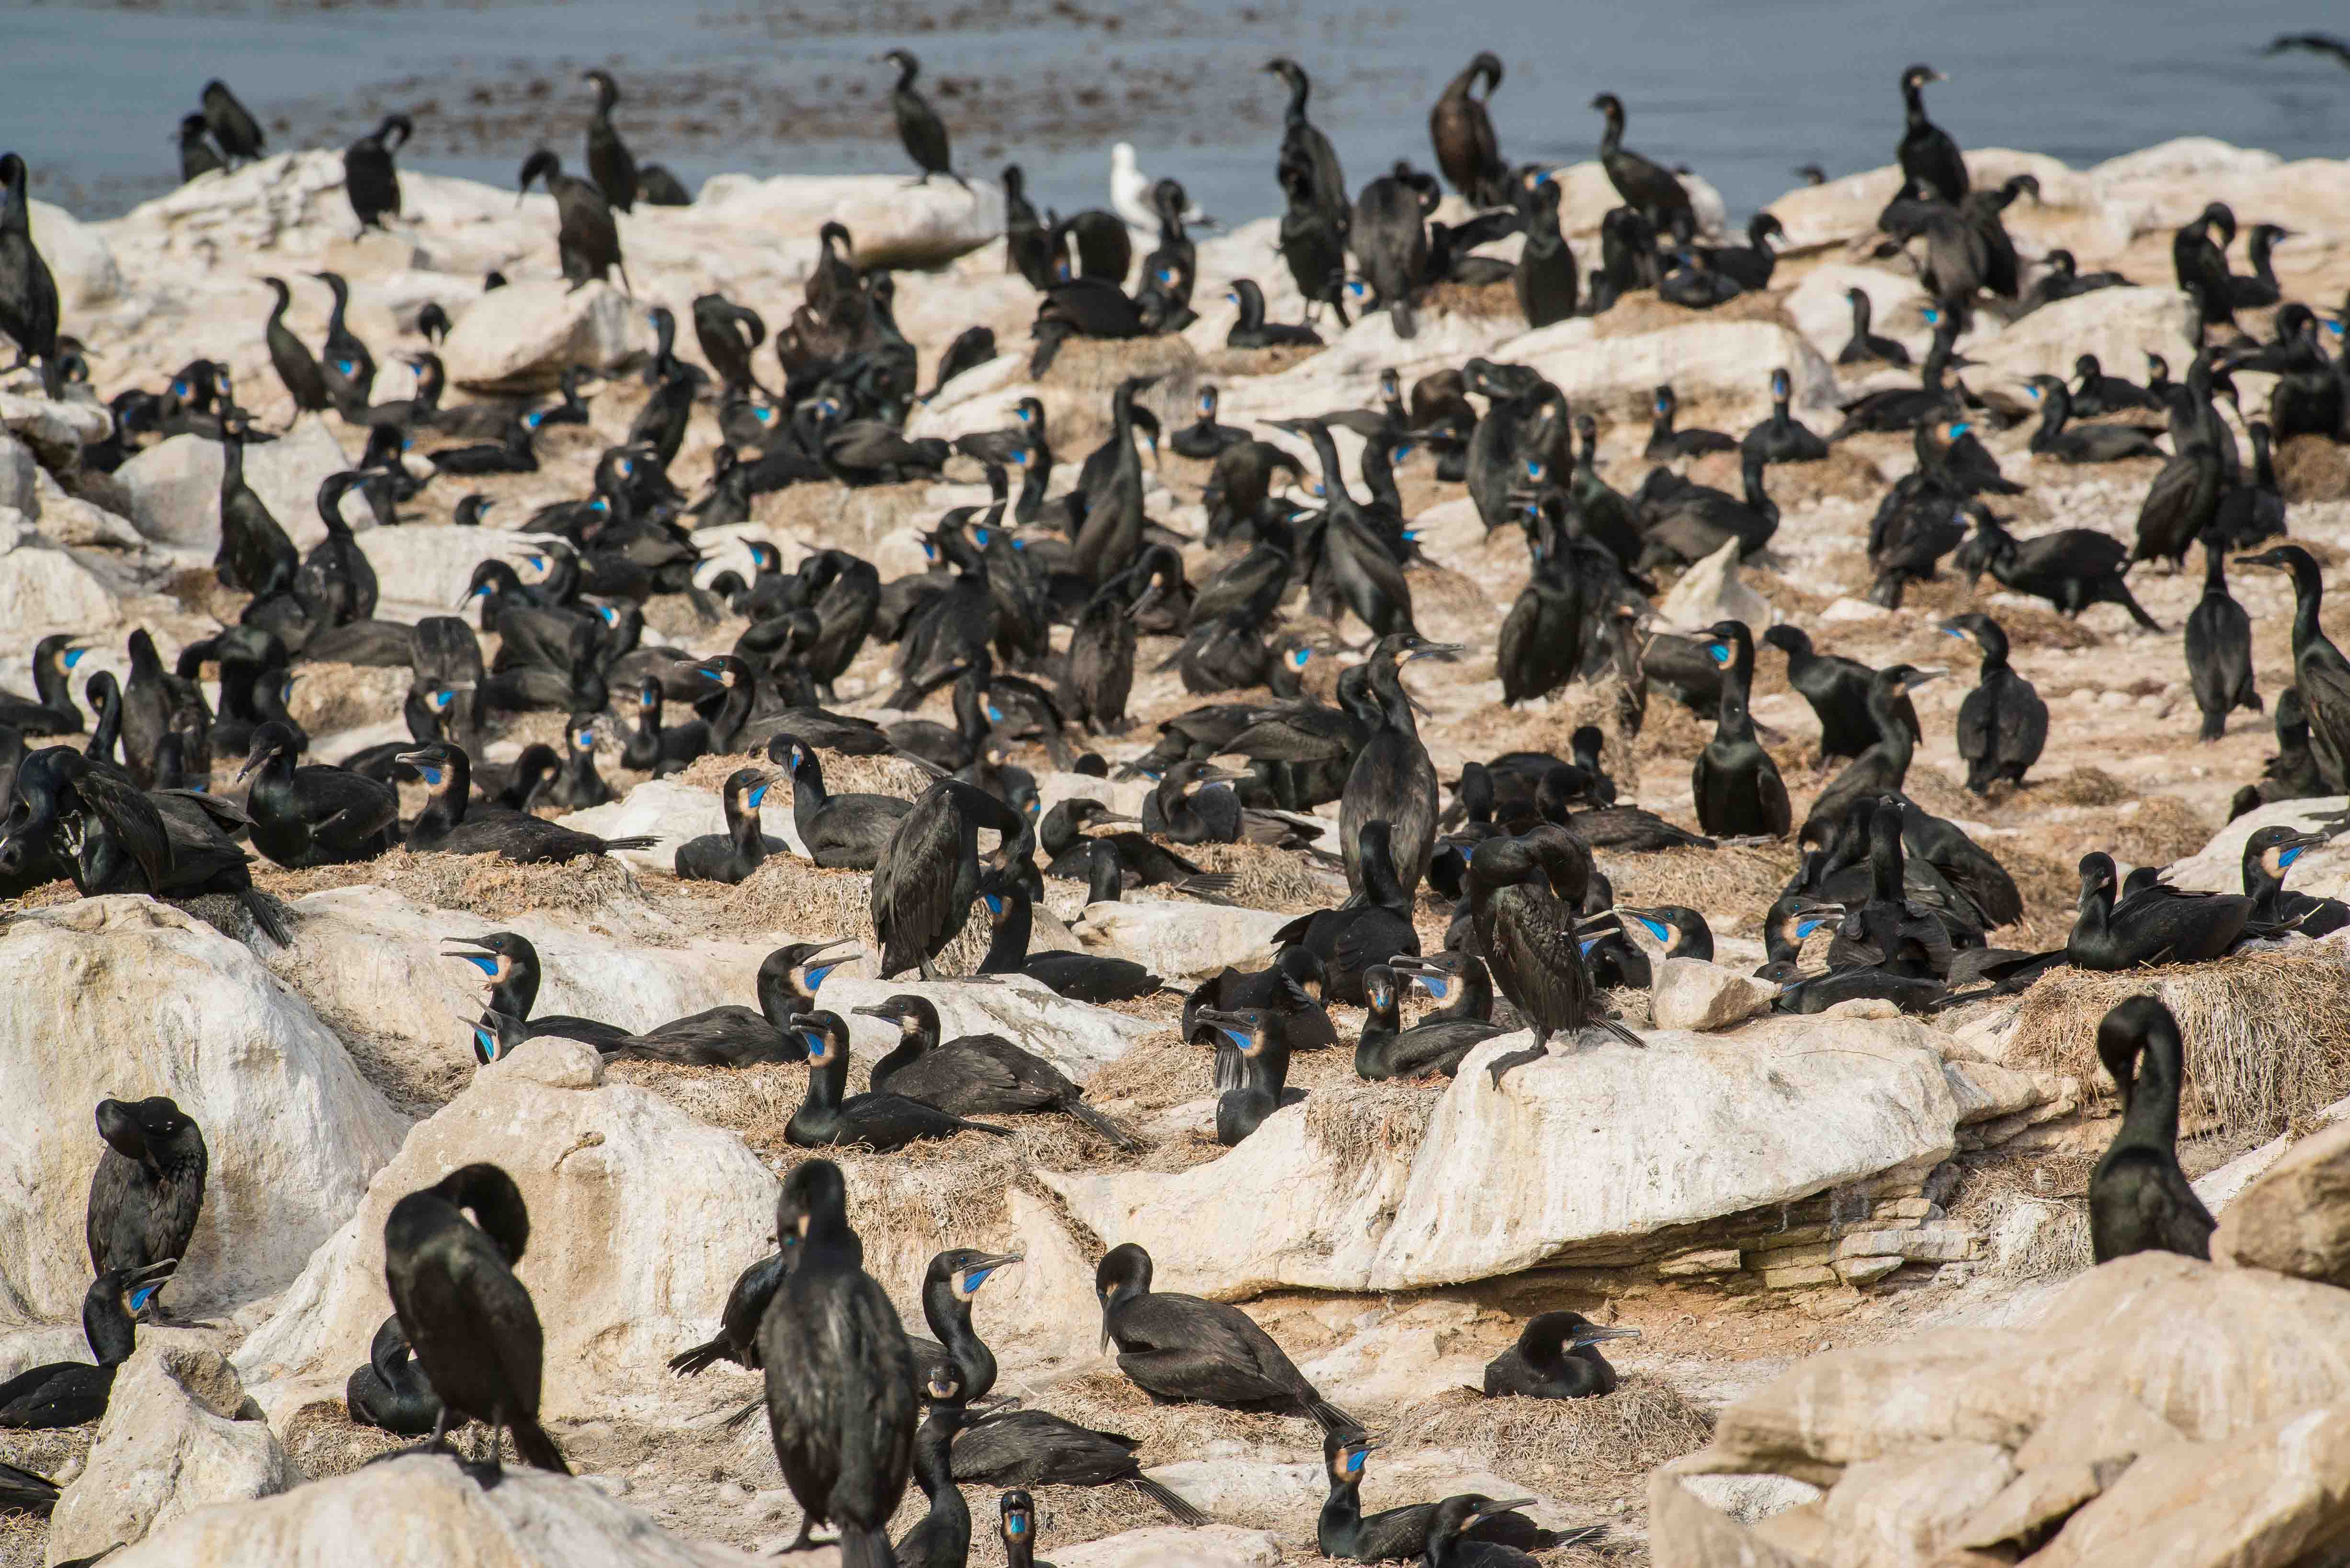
(312, 815)
(149, 1188)
(975, 1074)
(920, 127)
(1736, 784)
(610, 163)
(2218, 646)
(390, 1391)
(2320, 673)
(1557, 1356)
(1179, 1349)
(370, 179)
(731, 855)
(586, 240)
(879, 1121)
(2003, 722)
(929, 873)
(449, 822)
(1525, 894)
(75, 1393)
(1342, 1531)
(2140, 1200)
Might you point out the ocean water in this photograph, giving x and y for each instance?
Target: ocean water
(1741, 91)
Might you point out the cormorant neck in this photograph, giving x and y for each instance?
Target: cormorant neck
(2150, 1118)
(1008, 950)
(827, 1081)
(108, 1328)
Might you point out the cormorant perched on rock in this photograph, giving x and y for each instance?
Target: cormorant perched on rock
(232, 125)
(1463, 133)
(1547, 280)
(1648, 187)
(314, 816)
(841, 1378)
(254, 553)
(586, 240)
(1250, 329)
(2140, 1200)
(29, 292)
(1557, 1357)
(1179, 1349)
(838, 830)
(75, 1393)
(391, 1392)
(918, 125)
(1930, 164)
(1386, 1049)
(830, 1116)
(1079, 976)
(196, 153)
(975, 1074)
(1737, 785)
(610, 163)
(345, 363)
(509, 961)
(469, 1321)
(1370, 929)
(1306, 152)
(369, 178)
(2003, 722)
(148, 1186)
(2219, 647)
(1524, 895)
(2320, 673)
(291, 356)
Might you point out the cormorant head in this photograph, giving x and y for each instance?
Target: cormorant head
(1916, 77)
(1437, 973)
(1018, 1510)
(148, 1131)
(433, 761)
(2097, 876)
(915, 1017)
(608, 92)
(907, 66)
(274, 739)
(826, 1034)
(498, 955)
(1303, 969)
(1788, 639)
(541, 162)
(1123, 1274)
(723, 669)
(963, 1270)
(1794, 917)
(494, 1034)
(131, 1289)
(2220, 216)
(582, 732)
(1679, 929)
(813, 1207)
(2277, 847)
(496, 1203)
(1908, 677)
(1608, 104)
(1549, 1334)
(2129, 1029)
(1665, 403)
(1343, 1452)
(1245, 1028)
(746, 788)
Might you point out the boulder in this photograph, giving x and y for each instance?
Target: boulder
(2322, 871)
(1180, 941)
(53, 422)
(174, 486)
(178, 1434)
(1075, 1037)
(1824, 316)
(20, 487)
(675, 812)
(2120, 326)
(423, 1510)
(1711, 591)
(428, 564)
(2296, 1218)
(1847, 209)
(123, 997)
(1730, 358)
(521, 338)
(1691, 993)
(890, 223)
(1900, 1512)
(43, 588)
(641, 1218)
(1172, 1546)
(1810, 1104)
(78, 257)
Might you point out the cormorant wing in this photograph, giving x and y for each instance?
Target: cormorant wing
(1204, 1350)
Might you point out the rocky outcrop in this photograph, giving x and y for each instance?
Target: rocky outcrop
(174, 486)
(521, 338)
(1075, 1037)
(425, 1512)
(893, 224)
(1615, 376)
(2296, 1218)
(2120, 326)
(124, 998)
(1180, 941)
(45, 588)
(79, 259)
(641, 1217)
(58, 424)
(1691, 993)
(178, 1433)
(2322, 871)
(1171, 1546)
(1709, 591)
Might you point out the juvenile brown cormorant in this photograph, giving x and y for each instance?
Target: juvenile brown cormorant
(75, 1393)
(1179, 1349)
(975, 1074)
(2320, 673)
(445, 825)
(1737, 785)
(586, 240)
(610, 163)
(1462, 131)
(2219, 647)
(732, 856)
(2003, 722)
(149, 1186)
(369, 178)
(829, 1117)
(1650, 189)
(918, 125)
(1343, 1532)
(391, 1391)
(2140, 1200)
(232, 125)
(311, 815)
(840, 1380)
(469, 1321)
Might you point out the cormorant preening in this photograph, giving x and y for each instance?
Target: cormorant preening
(1451, 1545)
(1179, 1349)
(1525, 894)
(148, 1186)
(841, 1378)
(2003, 722)
(610, 163)
(1737, 785)
(2320, 673)
(975, 1074)
(586, 240)
(2219, 647)
(369, 178)
(1930, 164)
(74, 1393)
(2140, 1200)
(1557, 1357)
(29, 291)
(468, 1320)
(928, 873)
(196, 154)
(391, 1391)
(829, 1117)
(232, 125)
(312, 816)
(918, 125)
(1463, 133)
(1646, 187)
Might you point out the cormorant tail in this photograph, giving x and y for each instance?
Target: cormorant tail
(1330, 1418)
(635, 841)
(1182, 1512)
(533, 1447)
(865, 1548)
(1105, 1124)
(267, 914)
(1401, 317)
(2138, 611)
(962, 1125)
(692, 1363)
(749, 1409)
(26, 1492)
(1626, 1035)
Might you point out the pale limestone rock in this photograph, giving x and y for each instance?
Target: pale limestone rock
(521, 338)
(1691, 993)
(174, 486)
(2296, 1218)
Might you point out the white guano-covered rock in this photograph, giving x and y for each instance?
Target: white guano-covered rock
(1611, 1144)
(1075, 1037)
(425, 1512)
(1733, 357)
(1691, 993)
(174, 486)
(123, 998)
(2120, 326)
(641, 1217)
(43, 588)
(20, 488)
(1711, 591)
(2320, 871)
(47, 422)
(890, 223)
(521, 338)
(78, 257)
(178, 1434)
(1180, 941)
(429, 565)
(1172, 1546)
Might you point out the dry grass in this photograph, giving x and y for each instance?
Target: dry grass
(323, 1440)
(331, 697)
(2311, 468)
(1270, 879)
(1569, 1447)
(1642, 311)
(2267, 1033)
(1353, 1122)
(2082, 786)
(1236, 363)
(483, 885)
(2158, 830)
(1483, 302)
(23, 1538)
(843, 774)
(1844, 474)
(1743, 880)
(1106, 1400)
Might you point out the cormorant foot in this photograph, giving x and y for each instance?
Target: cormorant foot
(1501, 1065)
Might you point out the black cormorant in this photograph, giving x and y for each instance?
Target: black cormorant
(1079, 976)
(1865, 347)
(838, 830)
(369, 178)
(469, 1321)
(1392, 781)
(2003, 722)
(929, 873)
(1931, 163)
(732, 856)
(610, 163)
(918, 125)
(884, 1123)
(1020, 1448)
(1782, 438)
(1306, 154)
(1837, 689)
(1250, 329)
(1557, 1356)
(2157, 925)
(1547, 279)
(75, 1393)
(291, 358)
(254, 553)
(2320, 673)
(2072, 568)
(2219, 647)
(232, 125)
(1343, 1532)
(1523, 897)
(942, 1537)
(1179, 1349)
(1451, 1543)
(390, 1392)
(196, 153)
(2269, 855)
(2140, 1200)
(1462, 131)
(586, 240)
(314, 816)
(347, 366)
(1370, 929)
(445, 825)
(1736, 784)
(975, 1074)
(149, 1186)
(1667, 442)
(1386, 1049)
(1646, 187)
(2081, 444)
(1389, 238)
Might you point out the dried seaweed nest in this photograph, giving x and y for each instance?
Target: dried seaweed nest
(1480, 301)
(2082, 787)
(1353, 1122)
(789, 896)
(843, 774)
(1740, 880)
(1570, 1447)
(2267, 1033)
(323, 1440)
(330, 697)
(485, 884)
(2311, 468)
(1643, 311)
(1278, 879)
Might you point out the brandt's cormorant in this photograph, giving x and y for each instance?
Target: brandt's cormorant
(2320, 673)
(1555, 1358)
(2003, 722)
(929, 873)
(391, 1392)
(369, 178)
(1646, 187)
(1392, 781)
(1080, 976)
(841, 1378)
(1931, 163)
(1451, 1543)
(1179, 1349)
(975, 1074)
(74, 1393)
(1370, 928)
(1736, 784)
(829, 1117)
(839, 830)
(2219, 647)
(1343, 1532)
(1523, 895)
(445, 825)
(148, 1186)
(311, 815)
(586, 240)
(918, 125)
(2159, 925)
(733, 855)
(1435, 1045)
(1461, 131)
(469, 1321)
(610, 161)
(942, 1537)
(2140, 1200)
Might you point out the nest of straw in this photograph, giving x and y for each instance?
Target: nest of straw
(331, 697)
(2267, 1033)
(2311, 468)
(1278, 879)
(323, 1440)
(1566, 1447)
(1479, 301)
(1739, 879)
(2084, 785)
(1355, 1123)
(485, 884)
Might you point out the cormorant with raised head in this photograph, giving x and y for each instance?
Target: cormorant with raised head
(1392, 781)
(232, 125)
(840, 1379)
(254, 553)
(2140, 1200)
(586, 240)
(1646, 187)
(391, 1391)
(2219, 647)
(2269, 855)
(610, 163)
(2320, 673)
(314, 816)
(370, 177)
(1931, 163)
(1079, 976)
(75, 1393)
(1179, 1349)
(942, 1537)
(830, 1116)
(1782, 438)
(1557, 1356)
(1306, 152)
(2157, 925)
(291, 356)
(1385, 1050)
(347, 366)
(445, 825)
(839, 830)
(732, 856)
(2003, 722)
(1865, 347)
(918, 125)
(1737, 785)
(149, 1186)
(1548, 281)
(469, 1321)
(1343, 1532)
(1462, 130)
(2081, 444)
(929, 873)
(509, 964)
(975, 1074)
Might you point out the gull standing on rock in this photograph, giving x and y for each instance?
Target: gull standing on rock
(1130, 196)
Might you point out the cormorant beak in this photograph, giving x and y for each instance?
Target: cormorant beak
(1918, 677)
(1222, 775)
(261, 754)
(1595, 1334)
(877, 1010)
(1108, 819)
(1446, 651)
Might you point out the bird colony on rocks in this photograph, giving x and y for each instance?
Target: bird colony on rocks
(838, 865)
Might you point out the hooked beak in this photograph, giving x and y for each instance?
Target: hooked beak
(1920, 677)
(1446, 651)
(877, 1010)
(260, 756)
(1595, 1334)
(1121, 821)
